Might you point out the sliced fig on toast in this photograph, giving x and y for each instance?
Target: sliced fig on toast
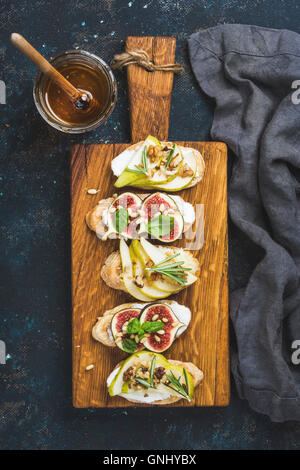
(157, 202)
(123, 215)
(124, 340)
(166, 228)
(162, 218)
(163, 338)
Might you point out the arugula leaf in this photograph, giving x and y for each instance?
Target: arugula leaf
(121, 220)
(129, 345)
(152, 326)
(133, 326)
(160, 225)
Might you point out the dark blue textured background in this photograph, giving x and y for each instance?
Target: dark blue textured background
(35, 385)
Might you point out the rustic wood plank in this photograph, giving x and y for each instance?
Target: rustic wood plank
(150, 92)
(206, 341)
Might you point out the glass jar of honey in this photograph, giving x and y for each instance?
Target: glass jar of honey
(88, 73)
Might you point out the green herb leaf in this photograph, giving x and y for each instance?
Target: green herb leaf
(152, 369)
(152, 326)
(139, 171)
(129, 345)
(141, 332)
(164, 261)
(144, 382)
(176, 383)
(186, 381)
(121, 220)
(144, 159)
(170, 156)
(173, 270)
(133, 326)
(160, 225)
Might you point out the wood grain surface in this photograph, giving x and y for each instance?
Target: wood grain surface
(150, 93)
(205, 342)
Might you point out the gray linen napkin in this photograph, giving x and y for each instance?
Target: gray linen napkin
(249, 71)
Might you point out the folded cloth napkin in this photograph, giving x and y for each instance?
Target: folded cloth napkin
(250, 72)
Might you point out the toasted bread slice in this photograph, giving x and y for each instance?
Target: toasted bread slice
(99, 331)
(112, 268)
(198, 157)
(195, 372)
(95, 222)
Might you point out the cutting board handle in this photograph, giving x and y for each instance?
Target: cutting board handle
(150, 92)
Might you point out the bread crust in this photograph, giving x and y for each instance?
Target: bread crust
(195, 372)
(95, 222)
(111, 271)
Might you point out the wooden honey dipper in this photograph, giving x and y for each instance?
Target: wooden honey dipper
(81, 100)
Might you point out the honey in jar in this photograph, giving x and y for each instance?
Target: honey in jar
(89, 74)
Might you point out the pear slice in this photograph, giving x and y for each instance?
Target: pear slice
(148, 288)
(128, 177)
(158, 178)
(158, 254)
(153, 252)
(179, 182)
(127, 274)
(160, 284)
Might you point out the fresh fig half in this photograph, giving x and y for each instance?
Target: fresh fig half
(157, 202)
(167, 230)
(162, 339)
(162, 218)
(118, 327)
(123, 215)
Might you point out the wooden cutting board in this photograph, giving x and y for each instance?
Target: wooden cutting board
(205, 343)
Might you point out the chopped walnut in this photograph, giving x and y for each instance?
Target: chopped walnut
(185, 170)
(154, 153)
(138, 280)
(159, 372)
(175, 161)
(128, 374)
(155, 276)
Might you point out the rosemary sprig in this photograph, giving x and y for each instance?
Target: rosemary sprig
(144, 159)
(178, 387)
(141, 169)
(173, 270)
(144, 382)
(186, 381)
(152, 370)
(170, 156)
(167, 259)
(138, 170)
